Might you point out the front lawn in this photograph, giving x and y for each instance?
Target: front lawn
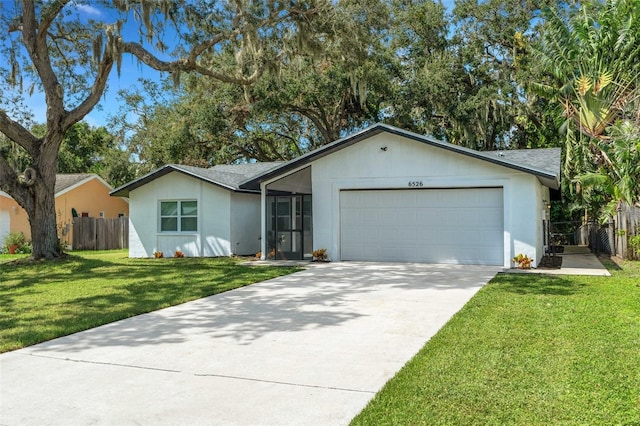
(43, 300)
(527, 350)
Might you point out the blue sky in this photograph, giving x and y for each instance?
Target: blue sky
(110, 103)
(130, 72)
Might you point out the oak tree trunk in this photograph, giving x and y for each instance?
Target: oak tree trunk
(42, 218)
(40, 201)
(43, 221)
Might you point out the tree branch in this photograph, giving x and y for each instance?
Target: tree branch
(97, 89)
(9, 183)
(202, 47)
(293, 141)
(186, 65)
(48, 14)
(319, 122)
(17, 133)
(36, 44)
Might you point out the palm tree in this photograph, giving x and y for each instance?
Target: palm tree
(619, 181)
(592, 54)
(590, 58)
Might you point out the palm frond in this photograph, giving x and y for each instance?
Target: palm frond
(598, 180)
(583, 84)
(603, 81)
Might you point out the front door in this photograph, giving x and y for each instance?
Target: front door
(288, 227)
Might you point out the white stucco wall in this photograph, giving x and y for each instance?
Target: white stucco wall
(525, 228)
(245, 223)
(544, 214)
(366, 165)
(214, 217)
(5, 225)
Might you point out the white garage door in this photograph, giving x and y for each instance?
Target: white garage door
(461, 226)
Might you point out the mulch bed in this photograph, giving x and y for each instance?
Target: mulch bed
(550, 262)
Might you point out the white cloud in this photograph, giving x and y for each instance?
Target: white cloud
(88, 10)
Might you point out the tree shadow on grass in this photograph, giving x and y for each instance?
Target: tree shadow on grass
(609, 263)
(553, 285)
(242, 316)
(66, 303)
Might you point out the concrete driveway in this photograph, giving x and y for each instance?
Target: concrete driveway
(309, 348)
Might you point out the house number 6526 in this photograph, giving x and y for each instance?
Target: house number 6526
(415, 183)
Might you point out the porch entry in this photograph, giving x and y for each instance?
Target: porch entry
(289, 227)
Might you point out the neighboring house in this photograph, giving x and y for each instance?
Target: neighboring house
(198, 211)
(86, 194)
(382, 194)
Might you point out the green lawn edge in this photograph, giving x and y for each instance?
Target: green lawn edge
(527, 350)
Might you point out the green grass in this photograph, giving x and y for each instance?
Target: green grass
(43, 300)
(527, 350)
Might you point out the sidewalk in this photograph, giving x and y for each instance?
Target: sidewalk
(576, 260)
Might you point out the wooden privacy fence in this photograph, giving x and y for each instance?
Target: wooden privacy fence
(628, 225)
(612, 237)
(91, 233)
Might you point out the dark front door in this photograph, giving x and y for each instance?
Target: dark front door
(288, 226)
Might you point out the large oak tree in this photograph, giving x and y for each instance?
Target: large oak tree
(311, 101)
(51, 47)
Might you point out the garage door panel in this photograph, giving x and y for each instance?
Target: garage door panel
(430, 225)
(477, 219)
(449, 218)
(408, 215)
(387, 217)
(408, 236)
(408, 199)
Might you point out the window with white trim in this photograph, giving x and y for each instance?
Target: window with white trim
(179, 216)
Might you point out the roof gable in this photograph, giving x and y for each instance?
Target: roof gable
(66, 182)
(225, 176)
(543, 163)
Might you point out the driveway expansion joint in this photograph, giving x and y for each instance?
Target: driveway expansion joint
(302, 385)
(113, 364)
(164, 370)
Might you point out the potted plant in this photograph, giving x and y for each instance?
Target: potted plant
(13, 241)
(320, 255)
(522, 261)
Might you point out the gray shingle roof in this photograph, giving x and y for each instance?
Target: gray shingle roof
(64, 181)
(543, 163)
(228, 176)
(544, 159)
